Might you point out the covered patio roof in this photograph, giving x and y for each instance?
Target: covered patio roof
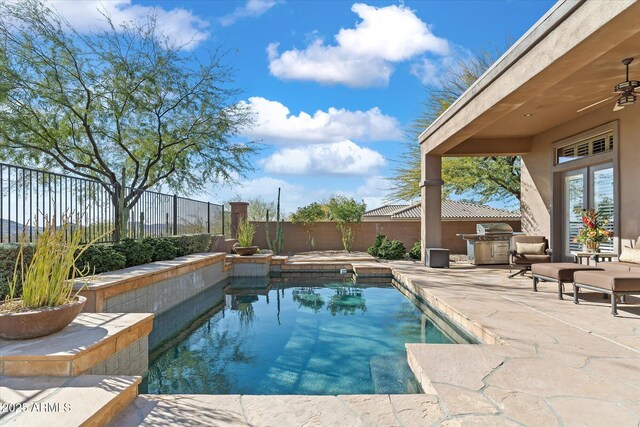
(568, 60)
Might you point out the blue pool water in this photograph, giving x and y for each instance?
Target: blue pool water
(301, 338)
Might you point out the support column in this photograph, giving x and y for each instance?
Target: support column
(238, 213)
(431, 190)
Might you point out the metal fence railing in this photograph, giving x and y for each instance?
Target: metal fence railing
(30, 197)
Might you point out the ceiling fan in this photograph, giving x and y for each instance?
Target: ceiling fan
(626, 92)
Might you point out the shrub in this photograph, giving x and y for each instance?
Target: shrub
(415, 251)
(162, 248)
(245, 233)
(8, 255)
(373, 250)
(191, 243)
(100, 259)
(135, 253)
(391, 249)
(47, 281)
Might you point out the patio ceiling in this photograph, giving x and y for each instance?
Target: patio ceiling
(569, 60)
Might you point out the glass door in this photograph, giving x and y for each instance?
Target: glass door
(590, 187)
(601, 198)
(575, 199)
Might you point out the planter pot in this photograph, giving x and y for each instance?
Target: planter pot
(591, 247)
(41, 322)
(245, 250)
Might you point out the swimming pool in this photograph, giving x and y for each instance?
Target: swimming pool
(301, 337)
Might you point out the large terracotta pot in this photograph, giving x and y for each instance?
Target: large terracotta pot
(41, 322)
(246, 250)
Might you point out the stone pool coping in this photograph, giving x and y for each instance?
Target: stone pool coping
(91, 339)
(100, 287)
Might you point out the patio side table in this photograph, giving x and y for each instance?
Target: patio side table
(595, 256)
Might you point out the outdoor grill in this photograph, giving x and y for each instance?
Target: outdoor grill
(490, 244)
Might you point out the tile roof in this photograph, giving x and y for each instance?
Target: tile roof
(384, 210)
(451, 209)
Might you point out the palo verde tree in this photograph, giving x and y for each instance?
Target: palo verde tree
(490, 178)
(345, 211)
(124, 106)
(307, 216)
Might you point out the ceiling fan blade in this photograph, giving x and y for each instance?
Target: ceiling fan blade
(595, 103)
(617, 107)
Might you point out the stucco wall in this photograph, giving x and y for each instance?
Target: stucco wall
(327, 236)
(537, 195)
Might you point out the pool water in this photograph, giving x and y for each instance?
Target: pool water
(302, 338)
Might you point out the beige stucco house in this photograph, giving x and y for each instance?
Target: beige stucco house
(544, 100)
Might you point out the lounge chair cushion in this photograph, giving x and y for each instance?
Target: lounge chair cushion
(615, 281)
(615, 266)
(526, 259)
(562, 271)
(531, 248)
(630, 255)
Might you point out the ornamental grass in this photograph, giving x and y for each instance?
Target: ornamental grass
(49, 278)
(245, 233)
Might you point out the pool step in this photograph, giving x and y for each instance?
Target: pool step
(389, 373)
(86, 400)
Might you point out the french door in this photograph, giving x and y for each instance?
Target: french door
(584, 188)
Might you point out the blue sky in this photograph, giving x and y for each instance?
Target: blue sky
(333, 84)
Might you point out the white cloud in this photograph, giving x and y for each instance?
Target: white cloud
(266, 187)
(180, 25)
(275, 123)
(373, 191)
(251, 8)
(338, 158)
(362, 56)
(428, 70)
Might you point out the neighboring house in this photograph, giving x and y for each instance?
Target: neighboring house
(451, 211)
(550, 99)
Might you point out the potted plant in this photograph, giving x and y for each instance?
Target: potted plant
(593, 233)
(48, 302)
(245, 234)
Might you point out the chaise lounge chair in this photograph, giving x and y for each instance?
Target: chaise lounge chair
(557, 272)
(614, 278)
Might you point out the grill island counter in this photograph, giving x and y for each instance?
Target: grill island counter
(490, 244)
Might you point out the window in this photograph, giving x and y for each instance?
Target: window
(587, 147)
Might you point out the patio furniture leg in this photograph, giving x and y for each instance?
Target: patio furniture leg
(576, 289)
(521, 273)
(560, 289)
(614, 304)
(623, 299)
(535, 284)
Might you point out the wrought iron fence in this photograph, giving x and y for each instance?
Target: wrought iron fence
(30, 197)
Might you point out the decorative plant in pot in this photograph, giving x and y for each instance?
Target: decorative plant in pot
(594, 232)
(48, 302)
(245, 233)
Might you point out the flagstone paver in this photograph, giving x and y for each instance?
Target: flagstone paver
(562, 364)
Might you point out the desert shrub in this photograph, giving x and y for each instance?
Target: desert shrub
(135, 252)
(101, 258)
(162, 248)
(415, 251)
(245, 233)
(391, 249)
(8, 255)
(373, 250)
(191, 243)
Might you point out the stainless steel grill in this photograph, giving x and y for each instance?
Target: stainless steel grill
(490, 243)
